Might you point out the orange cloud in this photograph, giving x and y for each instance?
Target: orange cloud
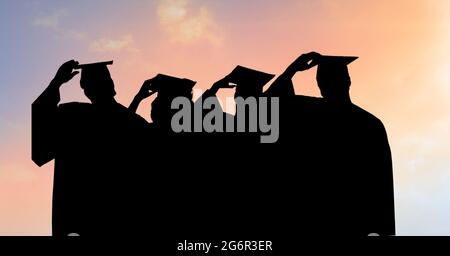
(125, 43)
(186, 24)
(52, 20)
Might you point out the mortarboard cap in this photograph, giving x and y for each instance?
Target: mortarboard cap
(249, 77)
(333, 67)
(95, 71)
(94, 65)
(332, 72)
(171, 85)
(335, 60)
(95, 74)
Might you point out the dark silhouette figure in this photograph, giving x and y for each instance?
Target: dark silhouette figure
(203, 170)
(93, 148)
(173, 157)
(339, 153)
(248, 83)
(329, 173)
(238, 186)
(168, 88)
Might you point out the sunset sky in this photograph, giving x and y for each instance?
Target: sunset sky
(402, 77)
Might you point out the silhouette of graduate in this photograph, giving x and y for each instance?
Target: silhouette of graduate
(247, 83)
(240, 174)
(171, 187)
(168, 88)
(343, 152)
(91, 144)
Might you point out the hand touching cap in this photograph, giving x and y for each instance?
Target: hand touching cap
(65, 73)
(305, 61)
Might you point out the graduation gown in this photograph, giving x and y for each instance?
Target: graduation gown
(97, 163)
(225, 190)
(337, 167)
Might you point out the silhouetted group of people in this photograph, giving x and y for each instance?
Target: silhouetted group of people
(328, 172)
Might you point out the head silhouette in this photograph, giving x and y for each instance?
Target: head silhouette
(162, 111)
(333, 78)
(97, 83)
(168, 89)
(249, 82)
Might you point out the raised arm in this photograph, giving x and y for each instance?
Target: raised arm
(143, 93)
(283, 86)
(44, 115)
(223, 83)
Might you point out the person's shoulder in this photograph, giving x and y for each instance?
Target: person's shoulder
(74, 111)
(73, 106)
(306, 101)
(74, 103)
(360, 111)
(308, 98)
(131, 115)
(139, 119)
(368, 116)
